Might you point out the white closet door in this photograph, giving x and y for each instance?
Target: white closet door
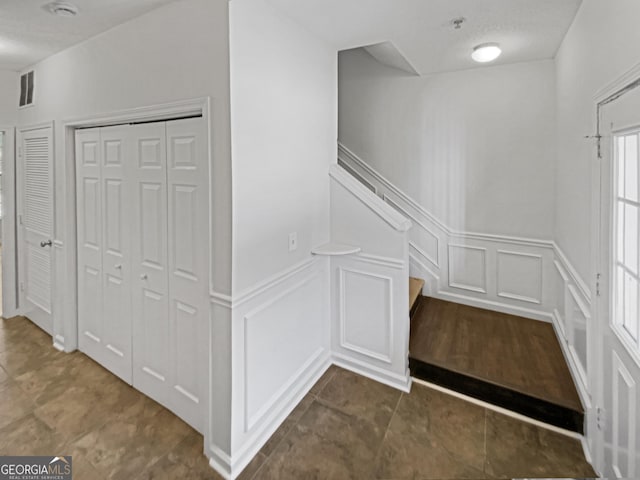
(143, 258)
(36, 176)
(150, 270)
(89, 205)
(104, 260)
(188, 268)
(116, 257)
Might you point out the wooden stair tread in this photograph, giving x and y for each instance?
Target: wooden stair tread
(415, 290)
(513, 362)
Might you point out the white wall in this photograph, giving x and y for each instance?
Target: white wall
(176, 52)
(283, 119)
(8, 97)
(475, 148)
(599, 48)
(284, 110)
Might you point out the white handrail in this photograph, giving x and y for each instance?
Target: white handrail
(395, 219)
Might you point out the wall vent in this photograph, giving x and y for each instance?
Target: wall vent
(26, 89)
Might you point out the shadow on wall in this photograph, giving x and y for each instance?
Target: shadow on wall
(473, 147)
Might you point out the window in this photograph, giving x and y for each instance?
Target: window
(626, 245)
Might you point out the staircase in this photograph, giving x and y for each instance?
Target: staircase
(508, 361)
(415, 294)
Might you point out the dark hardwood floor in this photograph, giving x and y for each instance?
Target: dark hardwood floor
(520, 357)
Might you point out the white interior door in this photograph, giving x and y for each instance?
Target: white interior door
(151, 359)
(104, 260)
(35, 161)
(188, 225)
(170, 262)
(617, 306)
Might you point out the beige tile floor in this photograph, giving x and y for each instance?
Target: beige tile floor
(347, 427)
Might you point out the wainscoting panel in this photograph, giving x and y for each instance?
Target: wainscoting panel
(561, 283)
(578, 316)
(468, 268)
(280, 348)
(519, 276)
(370, 325)
(280, 336)
(571, 314)
(624, 430)
(366, 314)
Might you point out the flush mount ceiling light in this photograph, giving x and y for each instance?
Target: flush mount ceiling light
(61, 9)
(486, 52)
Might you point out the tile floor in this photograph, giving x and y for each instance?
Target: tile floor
(347, 427)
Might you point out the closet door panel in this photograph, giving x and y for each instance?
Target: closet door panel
(116, 257)
(149, 240)
(188, 260)
(89, 200)
(152, 236)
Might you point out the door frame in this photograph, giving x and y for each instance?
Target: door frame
(10, 304)
(600, 263)
(65, 323)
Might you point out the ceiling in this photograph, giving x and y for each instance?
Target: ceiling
(28, 33)
(422, 31)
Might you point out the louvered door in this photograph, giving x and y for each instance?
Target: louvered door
(36, 224)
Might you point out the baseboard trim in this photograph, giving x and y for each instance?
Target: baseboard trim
(58, 343)
(231, 467)
(220, 462)
(495, 306)
(399, 382)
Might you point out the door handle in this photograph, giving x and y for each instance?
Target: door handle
(118, 267)
(143, 276)
(47, 243)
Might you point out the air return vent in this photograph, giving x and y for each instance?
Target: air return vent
(26, 89)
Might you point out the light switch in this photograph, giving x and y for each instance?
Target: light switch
(293, 241)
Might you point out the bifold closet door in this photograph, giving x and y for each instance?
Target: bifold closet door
(188, 177)
(104, 259)
(143, 258)
(151, 278)
(170, 237)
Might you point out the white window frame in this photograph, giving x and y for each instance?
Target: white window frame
(617, 323)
